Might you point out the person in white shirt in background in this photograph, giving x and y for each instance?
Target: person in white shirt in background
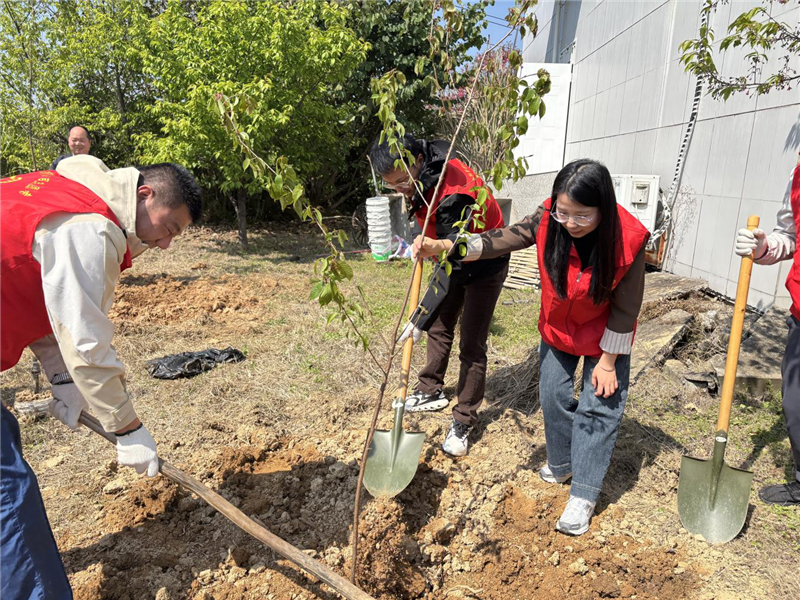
(780, 245)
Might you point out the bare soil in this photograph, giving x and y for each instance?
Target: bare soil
(279, 436)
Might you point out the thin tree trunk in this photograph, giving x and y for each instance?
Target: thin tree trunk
(241, 216)
(31, 113)
(120, 95)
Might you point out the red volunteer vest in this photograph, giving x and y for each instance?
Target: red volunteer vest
(576, 324)
(25, 200)
(460, 179)
(793, 281)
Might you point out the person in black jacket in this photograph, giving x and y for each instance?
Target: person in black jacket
(470, 291)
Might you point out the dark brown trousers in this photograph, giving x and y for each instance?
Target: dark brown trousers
(476, 298)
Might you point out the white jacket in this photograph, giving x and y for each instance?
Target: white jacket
(80, 256)
(783, 239)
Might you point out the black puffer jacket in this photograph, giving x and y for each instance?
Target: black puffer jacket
(449, 211)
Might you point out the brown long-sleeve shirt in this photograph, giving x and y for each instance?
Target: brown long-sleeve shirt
(625, 300)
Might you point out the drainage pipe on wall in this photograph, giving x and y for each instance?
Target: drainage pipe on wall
(669, 204)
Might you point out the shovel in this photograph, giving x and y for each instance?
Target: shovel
(712, 496)
(394, 455)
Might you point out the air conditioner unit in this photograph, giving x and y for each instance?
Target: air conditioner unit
(639, 195)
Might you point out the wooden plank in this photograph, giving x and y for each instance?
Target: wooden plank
(523, 270)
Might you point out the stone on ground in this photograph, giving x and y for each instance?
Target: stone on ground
(655, 340)
(760, 355)
(660, 286)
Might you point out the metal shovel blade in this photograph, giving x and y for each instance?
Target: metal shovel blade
(712, 496)
(393, 458)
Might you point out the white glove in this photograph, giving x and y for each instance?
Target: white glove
(138, 450)
(410, 331)
(67, 404)
(748, 241)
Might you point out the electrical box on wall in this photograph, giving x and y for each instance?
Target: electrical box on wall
(639, 195)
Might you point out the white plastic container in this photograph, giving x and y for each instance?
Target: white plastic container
(379, 228)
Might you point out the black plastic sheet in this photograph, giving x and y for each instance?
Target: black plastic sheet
(189, 364)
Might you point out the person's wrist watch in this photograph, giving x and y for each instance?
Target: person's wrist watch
(61, 379)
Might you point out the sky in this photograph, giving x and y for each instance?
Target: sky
(497, 26)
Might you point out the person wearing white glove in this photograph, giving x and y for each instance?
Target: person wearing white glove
(751, 243)
(135, 445)
(765, 249)
(411, 331)
(463, 296)
(136, 448)
(67, 236)
(67, 403)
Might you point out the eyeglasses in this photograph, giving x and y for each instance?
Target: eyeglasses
(407, 181)
(394, 185)
(580, 221)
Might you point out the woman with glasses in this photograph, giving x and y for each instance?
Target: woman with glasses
(469, 291)
(591, 263)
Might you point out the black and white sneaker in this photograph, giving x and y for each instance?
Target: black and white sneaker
(784, 494)
(420, 401)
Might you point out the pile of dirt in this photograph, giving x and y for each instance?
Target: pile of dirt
(143, 502)
(444, 536)
(534, 561)
(165, 299)
(389, 558)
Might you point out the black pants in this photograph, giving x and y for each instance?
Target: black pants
(790, 371)
(477, 297)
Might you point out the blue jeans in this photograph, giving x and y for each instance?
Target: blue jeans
(580, 434)
(30, 566)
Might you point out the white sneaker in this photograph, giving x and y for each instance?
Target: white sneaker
(576, 517)
(547, 475)
(456, 442)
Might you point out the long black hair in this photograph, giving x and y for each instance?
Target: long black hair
(589, 183)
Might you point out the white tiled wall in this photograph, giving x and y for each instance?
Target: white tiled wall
(629, 106)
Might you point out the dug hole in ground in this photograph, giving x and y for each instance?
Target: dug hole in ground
(279, 436)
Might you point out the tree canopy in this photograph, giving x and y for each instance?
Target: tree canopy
(142, 77)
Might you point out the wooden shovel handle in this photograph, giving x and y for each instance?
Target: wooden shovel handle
(245, 523)
(413, 300)
(735, 340)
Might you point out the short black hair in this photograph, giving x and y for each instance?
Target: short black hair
(383, 157)
(88, 135)
(174, 185)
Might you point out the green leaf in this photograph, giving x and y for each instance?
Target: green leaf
(326, 295)
(316, 290)
(346, 270)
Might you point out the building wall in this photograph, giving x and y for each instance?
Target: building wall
(629, 105)
(527, 194)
